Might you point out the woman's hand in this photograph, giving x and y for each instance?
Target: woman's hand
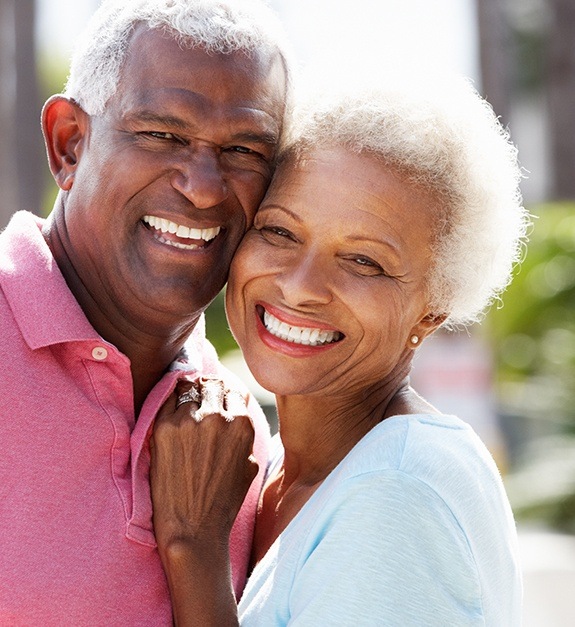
(201, 470)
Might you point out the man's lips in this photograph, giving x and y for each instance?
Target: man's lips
(178, 235)
(297, 334)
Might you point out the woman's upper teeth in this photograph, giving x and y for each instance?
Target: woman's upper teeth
(298, 335)
(167, 226)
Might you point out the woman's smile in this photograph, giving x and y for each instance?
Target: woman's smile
(306, 334)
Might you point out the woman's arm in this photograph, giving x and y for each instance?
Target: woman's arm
(201, 470)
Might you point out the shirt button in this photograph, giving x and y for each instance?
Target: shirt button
(99, 353)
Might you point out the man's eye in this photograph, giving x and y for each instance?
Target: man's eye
(162, 135)
(244, 150)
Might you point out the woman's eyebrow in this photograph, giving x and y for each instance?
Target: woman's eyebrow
(267, 207)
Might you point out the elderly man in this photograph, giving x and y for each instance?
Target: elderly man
(162, 147)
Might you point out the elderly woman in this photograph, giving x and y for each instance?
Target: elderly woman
(392, 212)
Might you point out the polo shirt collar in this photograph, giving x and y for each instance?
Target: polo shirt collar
(42, 304)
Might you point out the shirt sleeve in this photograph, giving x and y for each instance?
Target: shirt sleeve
(388, 552)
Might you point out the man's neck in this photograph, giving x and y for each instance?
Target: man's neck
(151, 340)
(150, 352)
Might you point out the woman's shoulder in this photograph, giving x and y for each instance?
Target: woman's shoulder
(401, 441)
(434, 449)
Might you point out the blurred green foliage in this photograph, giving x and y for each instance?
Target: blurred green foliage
(534, 332)
(533, 337)
(217, 328)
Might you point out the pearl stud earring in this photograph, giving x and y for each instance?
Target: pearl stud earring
(414, 339)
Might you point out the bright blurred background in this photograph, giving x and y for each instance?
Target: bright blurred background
(513, 377)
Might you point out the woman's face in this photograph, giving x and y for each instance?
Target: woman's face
(329, 285)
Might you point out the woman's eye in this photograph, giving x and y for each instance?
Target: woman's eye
(274, 233)
(367, 266)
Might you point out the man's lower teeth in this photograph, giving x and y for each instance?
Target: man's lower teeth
(177, 244)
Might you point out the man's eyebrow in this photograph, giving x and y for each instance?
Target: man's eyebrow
(157, 118)
(264, 137)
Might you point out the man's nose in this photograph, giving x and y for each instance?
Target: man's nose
(200, 179)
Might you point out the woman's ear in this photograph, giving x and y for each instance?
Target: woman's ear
(64, 124)
(426, 326)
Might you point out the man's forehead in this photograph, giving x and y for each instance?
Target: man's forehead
(157, 47)
(156, 63)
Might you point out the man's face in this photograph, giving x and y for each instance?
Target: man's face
(169, 177)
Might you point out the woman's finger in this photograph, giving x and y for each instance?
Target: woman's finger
(212, 395)
(235, 404)
(192, 395)
(184, 402)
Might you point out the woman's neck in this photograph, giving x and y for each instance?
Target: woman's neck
(317, 432)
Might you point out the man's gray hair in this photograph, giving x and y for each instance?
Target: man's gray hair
(443, 137)
(218, 26)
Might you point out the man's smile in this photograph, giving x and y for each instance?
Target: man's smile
(174, 234)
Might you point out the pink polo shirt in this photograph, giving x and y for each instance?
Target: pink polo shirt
(76, 540)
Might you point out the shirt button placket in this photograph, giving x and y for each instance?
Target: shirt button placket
(99, 353)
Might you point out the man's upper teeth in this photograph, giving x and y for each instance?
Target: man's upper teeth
(298, 335)
(167, 226)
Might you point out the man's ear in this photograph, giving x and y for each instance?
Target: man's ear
(64, 124)
(426, 326)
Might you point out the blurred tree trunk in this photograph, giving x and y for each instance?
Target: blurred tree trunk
(8, 181)
(30, 148)
(21, 152)
(561, 96)
(495, 55)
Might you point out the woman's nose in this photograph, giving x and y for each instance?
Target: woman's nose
(306, 281)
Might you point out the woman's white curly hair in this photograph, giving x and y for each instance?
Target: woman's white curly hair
(441, 135)
(218, 26)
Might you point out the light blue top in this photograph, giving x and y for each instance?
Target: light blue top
(412, 528)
